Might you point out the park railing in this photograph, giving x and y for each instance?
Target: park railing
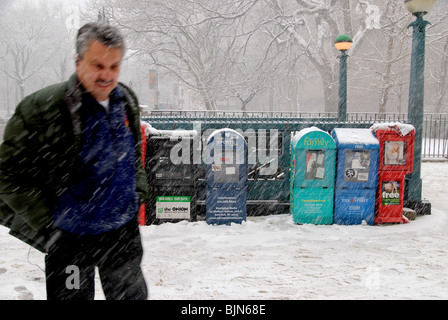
(435, 126)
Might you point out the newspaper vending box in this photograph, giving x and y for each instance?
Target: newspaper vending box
(226, 177)
(356, 175)
(312, 173)
(395, 161)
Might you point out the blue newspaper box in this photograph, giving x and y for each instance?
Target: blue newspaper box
(226, 177)
(356, 175)
(313, 160)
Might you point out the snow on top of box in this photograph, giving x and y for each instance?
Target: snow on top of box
(305, 131)
(401, 128)
(355, 136)
(149, 129)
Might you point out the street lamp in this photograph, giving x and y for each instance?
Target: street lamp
(416, 91)
(343, 43)
(415, 6)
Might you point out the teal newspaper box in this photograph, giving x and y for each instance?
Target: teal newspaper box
(356, 175)
(313, 161)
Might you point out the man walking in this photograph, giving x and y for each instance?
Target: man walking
(71, 176)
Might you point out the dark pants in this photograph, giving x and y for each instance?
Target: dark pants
(71, 261)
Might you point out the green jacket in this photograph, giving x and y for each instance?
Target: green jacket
(38, 154)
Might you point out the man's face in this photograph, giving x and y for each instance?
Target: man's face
(98, 69)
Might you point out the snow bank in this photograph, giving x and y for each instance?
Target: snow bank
(270, 257)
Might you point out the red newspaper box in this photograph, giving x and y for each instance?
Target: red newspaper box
(395, 161)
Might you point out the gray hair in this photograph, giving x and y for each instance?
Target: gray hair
(104, 33)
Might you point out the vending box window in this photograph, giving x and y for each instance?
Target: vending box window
(396, 161)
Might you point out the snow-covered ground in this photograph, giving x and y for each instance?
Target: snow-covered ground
(270, 257)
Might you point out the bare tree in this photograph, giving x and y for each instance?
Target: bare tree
(215, 48)
(35, 47)
(382, 60)
(25, 48)
(312, 27)
(255, 53)
(437, 59)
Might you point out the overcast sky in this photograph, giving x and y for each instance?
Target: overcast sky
(5, 4)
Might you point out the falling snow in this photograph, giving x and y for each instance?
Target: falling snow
(270, 257)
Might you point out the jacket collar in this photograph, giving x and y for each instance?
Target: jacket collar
(73, 98)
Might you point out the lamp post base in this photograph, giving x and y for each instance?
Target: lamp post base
(421, 207)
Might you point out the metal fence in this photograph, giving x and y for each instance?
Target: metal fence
(435, 131)
(229, 114)
(210, 114)
(435, 136)
(435, 126)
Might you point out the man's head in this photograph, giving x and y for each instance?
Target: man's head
(100, 49)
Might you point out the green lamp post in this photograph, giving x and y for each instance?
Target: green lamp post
(416, 91)
(343, 43)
